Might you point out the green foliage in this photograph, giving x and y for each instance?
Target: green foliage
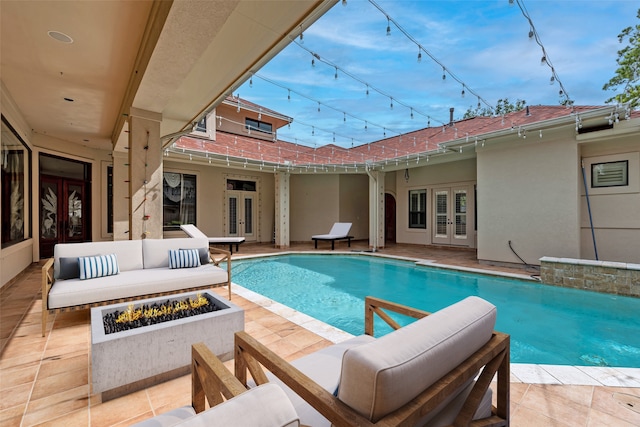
(503, 106)
(627, 76)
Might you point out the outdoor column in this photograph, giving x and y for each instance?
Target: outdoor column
(376, 209)
(282, 209)
(145, 175)
(121, 213)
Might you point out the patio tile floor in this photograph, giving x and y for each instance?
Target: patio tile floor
(46, 380)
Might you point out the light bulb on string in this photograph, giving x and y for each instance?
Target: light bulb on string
(412, 113)
(419, 55)
(552, 80)
(388, 26)
(367, 90)
(289, 95)
(391, 104)
(318, 106)
(463, 92)
(444, 76)
(335, 76)
(251, 81)
(531, 33)
(543, 60)
(344, 117)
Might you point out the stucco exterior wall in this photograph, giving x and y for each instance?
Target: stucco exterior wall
(615, 210)
(354, 204)
(315, 205)
(528, 194)
(450, 174)
(210, 208)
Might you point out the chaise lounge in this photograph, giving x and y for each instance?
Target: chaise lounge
(339, 231)
(194, 231)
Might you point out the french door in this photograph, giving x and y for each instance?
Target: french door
(241, 214)
(450, 219)
(63, 212)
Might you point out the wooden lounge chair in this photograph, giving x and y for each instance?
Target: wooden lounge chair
(435, 371)
(339, 231)
(230, 403)
(194, 231)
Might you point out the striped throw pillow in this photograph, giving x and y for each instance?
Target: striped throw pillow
(98, 266)
(184, 258)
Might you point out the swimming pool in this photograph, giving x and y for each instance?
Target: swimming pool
(548, 325)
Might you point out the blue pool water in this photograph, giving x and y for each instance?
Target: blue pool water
(548, 325)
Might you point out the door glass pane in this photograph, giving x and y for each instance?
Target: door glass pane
(233, 215)
(74, 211)
(441, 213)
(49, 210)
(461, 214)
(248, 215)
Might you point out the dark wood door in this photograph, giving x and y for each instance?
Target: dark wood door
(389, 218)
(63, 212)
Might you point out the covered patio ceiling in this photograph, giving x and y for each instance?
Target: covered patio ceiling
(74, 69)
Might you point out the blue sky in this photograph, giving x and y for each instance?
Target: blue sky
(483, 43)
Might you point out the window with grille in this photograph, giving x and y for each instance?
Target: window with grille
(610, 174)
(417, 208)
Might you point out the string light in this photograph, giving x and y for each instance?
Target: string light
(421, 48)
(545, 60)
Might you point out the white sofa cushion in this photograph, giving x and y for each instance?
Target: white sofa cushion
(133, 283)
(155, 252)
(381, 376)
(263, 406)
(128, 252)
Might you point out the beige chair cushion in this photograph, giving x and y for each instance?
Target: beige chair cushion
(382, 376)
(262, 406)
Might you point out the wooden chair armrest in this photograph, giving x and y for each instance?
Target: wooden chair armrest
(47, 282)
(210, 379)
(226, 257)
(250, 354)
(376, 306)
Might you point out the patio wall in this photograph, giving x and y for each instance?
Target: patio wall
(601, 276)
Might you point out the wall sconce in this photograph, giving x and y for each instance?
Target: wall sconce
(406, 175)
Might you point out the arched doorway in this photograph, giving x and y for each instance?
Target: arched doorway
(389, 218)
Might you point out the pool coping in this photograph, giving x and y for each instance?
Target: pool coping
(526, 373)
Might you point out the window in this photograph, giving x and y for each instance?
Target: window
(178, 200)
(418, 209)
(610, 174)
(14, 161)
(252, 124)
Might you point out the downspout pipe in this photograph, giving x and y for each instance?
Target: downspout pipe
(586, 192)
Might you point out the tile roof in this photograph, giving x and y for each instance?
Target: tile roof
(242, 148)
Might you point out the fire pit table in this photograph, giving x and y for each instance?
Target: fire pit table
(127, 360)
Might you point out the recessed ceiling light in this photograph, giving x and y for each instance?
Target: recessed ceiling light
(61, 37)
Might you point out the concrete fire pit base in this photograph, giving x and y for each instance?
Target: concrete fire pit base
(126, 361)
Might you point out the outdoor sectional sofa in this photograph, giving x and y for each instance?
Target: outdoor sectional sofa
(140, 270)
